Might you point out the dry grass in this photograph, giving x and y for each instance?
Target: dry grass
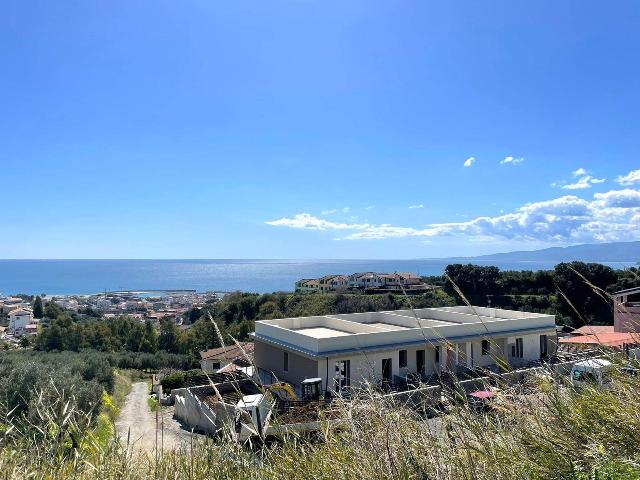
(542, 430)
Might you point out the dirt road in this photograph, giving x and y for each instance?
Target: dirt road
(139, 422)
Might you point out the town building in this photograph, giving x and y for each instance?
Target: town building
(332, 283)
(308, 285)
(68, 303)
(19, 319)
(364, 281)
(626, 310)
(384, 347)
(623, 335)
(7, 304)
(220, 359)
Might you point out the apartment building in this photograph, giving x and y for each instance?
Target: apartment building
(19, 320)
(368, 281)
(331, 283)
(308, 285)
(351, 349)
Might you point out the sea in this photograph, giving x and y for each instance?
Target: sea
(82, 277)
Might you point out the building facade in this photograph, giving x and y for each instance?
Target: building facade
(19, 319)
(217, 359)
(350, 350)
(626, 310)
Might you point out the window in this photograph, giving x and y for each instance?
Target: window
(438, 354)
(485, 347)
(517, 350)
(403, 359)
(286, 362)
(543, 346)
(342, 376)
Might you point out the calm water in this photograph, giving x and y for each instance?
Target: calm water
(92, 276)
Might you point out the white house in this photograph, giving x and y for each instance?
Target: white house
(365, 280)
(331, 283)
(67, 302)
(351, 349)
(217, 359)
(307, 285)
(19, 319)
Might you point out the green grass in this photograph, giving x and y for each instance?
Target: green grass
(122, 387)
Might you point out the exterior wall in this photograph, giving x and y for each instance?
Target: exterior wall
(496, 350)
(531, 348)
(307, 286)
(207, 365)
(368, 367)
(18, 322)
(430, 365)
(271, 359)
(626, 317)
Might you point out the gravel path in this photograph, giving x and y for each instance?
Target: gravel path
(139, 422)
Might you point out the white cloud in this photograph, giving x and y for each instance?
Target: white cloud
(416, 206)
(629, 179)
(469, 161)
(335, 210)
(309, 222)
(583, 182)
(609, 216)
(511, 160)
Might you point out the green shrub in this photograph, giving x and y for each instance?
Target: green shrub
(173, 380)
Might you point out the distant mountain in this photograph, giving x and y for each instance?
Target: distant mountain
(599, 252)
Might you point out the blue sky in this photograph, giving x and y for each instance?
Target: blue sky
(307, 129)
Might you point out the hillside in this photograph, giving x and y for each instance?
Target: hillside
(600, 252)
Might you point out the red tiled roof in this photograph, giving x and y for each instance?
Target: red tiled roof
(610, 339)
(593, 329)
(230, 352)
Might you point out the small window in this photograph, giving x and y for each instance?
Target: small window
(286, 362)
(403, 359)
(438, 354)
(485, 347)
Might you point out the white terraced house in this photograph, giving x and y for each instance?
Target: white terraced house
(351, 349)
(19, 319)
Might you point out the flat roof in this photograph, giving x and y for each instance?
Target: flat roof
(322, 332)
(388, 326)
(327, 335)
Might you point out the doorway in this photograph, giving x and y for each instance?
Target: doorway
(420, 361)
(386, 370)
